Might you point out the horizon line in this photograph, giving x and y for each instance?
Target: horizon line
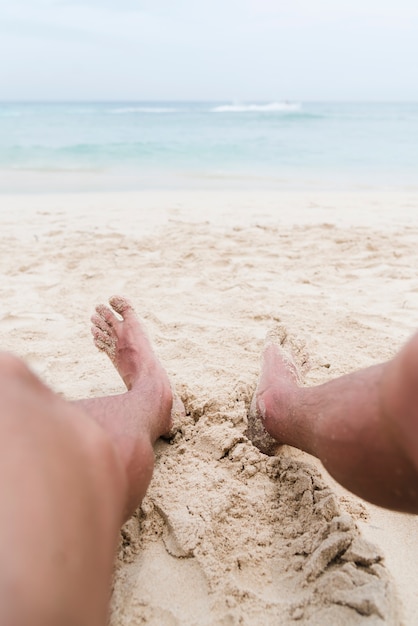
(201, 101)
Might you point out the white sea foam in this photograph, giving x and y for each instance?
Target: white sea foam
(125, 110)
(272, 107)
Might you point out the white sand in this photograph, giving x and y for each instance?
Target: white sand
(226, 535)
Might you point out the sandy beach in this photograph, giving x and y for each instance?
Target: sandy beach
(226, 535)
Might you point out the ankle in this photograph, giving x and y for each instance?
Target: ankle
(276, 406)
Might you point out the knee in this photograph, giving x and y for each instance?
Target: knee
(12, 366)
(408, 361)
(412, 349)
(18, 379)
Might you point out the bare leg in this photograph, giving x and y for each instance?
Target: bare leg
(138, 417)
(63, 490)
(363, 426)
(68, 481)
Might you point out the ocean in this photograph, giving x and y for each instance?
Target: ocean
(144, 145)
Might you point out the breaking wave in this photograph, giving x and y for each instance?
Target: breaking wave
(272, 107)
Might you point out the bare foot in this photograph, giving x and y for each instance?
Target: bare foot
(124, 340)
(126, 343)
(361, 426)
(271, 408)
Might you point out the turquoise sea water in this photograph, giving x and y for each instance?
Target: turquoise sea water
(163, 144)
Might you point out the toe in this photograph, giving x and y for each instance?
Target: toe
(100, 335)
(121, 305)
(99, 322)
(106, 314)
(102, 345)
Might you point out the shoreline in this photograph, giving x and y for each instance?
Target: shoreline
(170, 180)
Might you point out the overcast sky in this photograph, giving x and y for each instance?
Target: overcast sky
(229, 50)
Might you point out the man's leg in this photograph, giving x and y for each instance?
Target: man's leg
(138, 417)
(363, 426)
(67, 481)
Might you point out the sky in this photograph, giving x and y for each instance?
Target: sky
(221, 50)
